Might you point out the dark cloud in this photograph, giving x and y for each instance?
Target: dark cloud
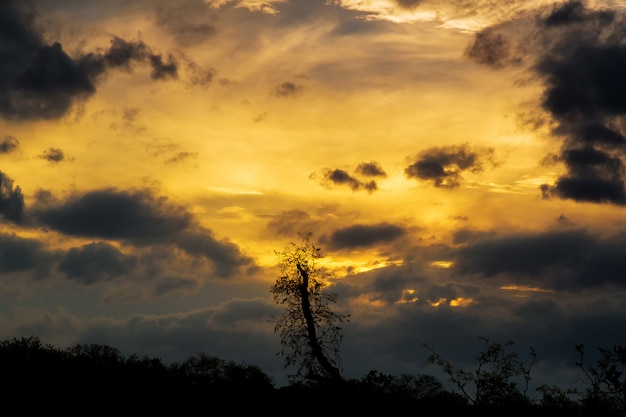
(19, 254)
(11, 200)
(288, 223)
(594, 176)
(141, 219)
(95, 262)
(444, 165)
(562, 259)
(41, 81)
(360, 235)
(9, 144)
(370, 169)
(135, 216)
(53, 155)
(287, 89)
(162, 70)
(338, 176)
(580, 56)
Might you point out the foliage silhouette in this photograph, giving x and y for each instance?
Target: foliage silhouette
(98, 378)
(309, 329)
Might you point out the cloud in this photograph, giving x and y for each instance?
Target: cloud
(162, 70)
(571, 259)
(360, 235)
(95, 262)
(41, 81)
(9, 144)
(579, 55)
(370, 169)
(444, 165)
(333, 177)
(19, 254)
(53, 155)
(11, 200)
(141, 219)
(287, 89)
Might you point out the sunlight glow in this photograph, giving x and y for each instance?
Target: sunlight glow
(438, 302)
(461, 302)
(524, 288)
(442, 264)
(406, 297)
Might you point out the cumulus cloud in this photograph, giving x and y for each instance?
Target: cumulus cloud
(141, 219)
(443, 166)
(41, 81)
(579, 55)
(332, 177)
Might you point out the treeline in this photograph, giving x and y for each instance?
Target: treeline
(98, 379)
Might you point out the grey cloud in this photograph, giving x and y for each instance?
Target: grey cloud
(370, 169)
(564, 259)
(41, 81)
(338, 176)
(95, 262)
(11, 200)
(360, 235)
(136, 216)
(162, 70)
(579, 55)
(225, 256)
(141, 219)
(444, 165)
(53, 155)
(19, 254)
(8, 144)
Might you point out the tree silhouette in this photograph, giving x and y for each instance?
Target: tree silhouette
(309, 330)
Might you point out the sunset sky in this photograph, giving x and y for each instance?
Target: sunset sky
(461, 164)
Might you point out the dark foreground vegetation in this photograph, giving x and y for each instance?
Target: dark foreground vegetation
(98, 379)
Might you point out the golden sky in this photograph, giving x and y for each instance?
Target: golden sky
(461, 165)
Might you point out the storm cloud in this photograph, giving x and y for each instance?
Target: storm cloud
(580, 56)
(564, 259)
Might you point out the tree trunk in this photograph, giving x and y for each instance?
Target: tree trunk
(318, 353)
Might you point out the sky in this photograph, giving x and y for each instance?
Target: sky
(461, 165)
